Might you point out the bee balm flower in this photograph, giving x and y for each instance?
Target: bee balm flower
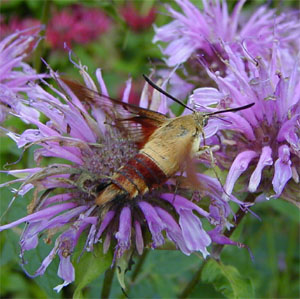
(76, 132)
(15, 73)
(262, 145)
(194, 31)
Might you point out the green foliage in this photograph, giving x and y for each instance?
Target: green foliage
(121, 53)
(227, 280)
(122, 266)
(89, 267)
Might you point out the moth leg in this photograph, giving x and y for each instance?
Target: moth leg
(206, 149)
(177, 184)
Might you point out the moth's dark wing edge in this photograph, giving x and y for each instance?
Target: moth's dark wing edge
(134, 122)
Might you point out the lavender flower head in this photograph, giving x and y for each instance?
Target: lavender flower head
(261, 145)
(65, 208)
(15, 73)
(195, 32)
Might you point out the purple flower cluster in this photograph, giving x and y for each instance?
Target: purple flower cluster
(76, 132)
(260, 145)
(195, 32)
(249, 61)
(15, 73)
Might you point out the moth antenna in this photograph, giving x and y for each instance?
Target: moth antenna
(220, 118)
(231, 109)
(151, 83)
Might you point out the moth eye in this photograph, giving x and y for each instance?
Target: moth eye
(205, 121)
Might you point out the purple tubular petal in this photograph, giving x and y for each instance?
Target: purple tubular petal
(126, 92)
(65, 269)
(206, 96)
(101, 82)
(59, 220)
(144, 99)
(221, 239)
(288, 132)
(195, 236)
(58, 198)
(26, 188)
(46, 262)
(108, 217)
(59, 152)
(239, 123)
(72, 96)
(264, 160)
(216, 237)
(213, 126)
(220, 209)
(106, 243)
(239, 165)
(124, 233)
(89, 83)
(154, 223)
(283, 170)
(180, 202)
(139, 241)
(173, 230)
(29, 239)
(23, 172)
(90, 240)
(40, 215)
(59, 287)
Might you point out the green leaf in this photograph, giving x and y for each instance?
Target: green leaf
(33, 5)
(227, 280)
(123, 264)
(65, 2)
(89, 267)
(285, 208)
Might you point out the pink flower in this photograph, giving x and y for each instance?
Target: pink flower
(15, 74)
(262, 146)
(135, 19)
(194, 31)
(17, 24)
(76, 24)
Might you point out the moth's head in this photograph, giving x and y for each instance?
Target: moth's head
(201, 119)
(205, 119)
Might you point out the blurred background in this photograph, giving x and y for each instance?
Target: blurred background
(117, 37)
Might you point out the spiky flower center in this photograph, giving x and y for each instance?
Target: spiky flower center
(113, 151)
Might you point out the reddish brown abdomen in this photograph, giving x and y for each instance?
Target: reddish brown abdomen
(137, 177)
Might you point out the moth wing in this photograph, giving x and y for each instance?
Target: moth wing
(135, 123)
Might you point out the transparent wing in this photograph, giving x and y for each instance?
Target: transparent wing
(134, 122)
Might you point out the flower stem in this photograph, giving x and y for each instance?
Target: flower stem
(39, 49)
(139, 265)
(108, 278)
(216, 250)
(136, 271)
(190, 286)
